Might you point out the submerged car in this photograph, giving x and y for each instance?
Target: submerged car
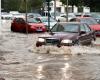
(32, 25)
(68, 34)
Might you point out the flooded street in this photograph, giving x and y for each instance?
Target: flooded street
(21, 60)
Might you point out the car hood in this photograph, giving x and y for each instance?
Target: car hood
(36, 24)
(95, 27)
(61, 36)
(51, 24)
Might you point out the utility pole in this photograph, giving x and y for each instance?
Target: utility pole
(26, 16)
(67, 11)
(48, 4)
(0, 17)
(55, 9)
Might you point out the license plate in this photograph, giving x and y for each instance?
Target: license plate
(39, 29)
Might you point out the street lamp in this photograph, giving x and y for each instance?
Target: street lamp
(55, 9)
(26, 15)
(0, 17)
(67, 11)
(48, 4)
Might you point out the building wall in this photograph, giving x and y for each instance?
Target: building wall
(61, 7)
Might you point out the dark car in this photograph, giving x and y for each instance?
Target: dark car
(68, 34)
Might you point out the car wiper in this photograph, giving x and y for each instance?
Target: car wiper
(71, 31)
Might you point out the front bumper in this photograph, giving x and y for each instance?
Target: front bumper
(38, 44)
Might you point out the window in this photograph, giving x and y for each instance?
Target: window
(87, 28)
(54, 29)
(19, 20)
(82, 28)
(60, 28)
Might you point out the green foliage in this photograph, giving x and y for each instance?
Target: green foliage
(93, 4)
(19, 5)
(73, 2)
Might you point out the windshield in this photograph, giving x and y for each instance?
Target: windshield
(65, 28)
(32, 20)
(46, 20)
(89, 21)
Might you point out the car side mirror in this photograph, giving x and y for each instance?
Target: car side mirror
(82, 32)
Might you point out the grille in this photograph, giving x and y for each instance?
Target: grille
(52, 41)
(39, 27)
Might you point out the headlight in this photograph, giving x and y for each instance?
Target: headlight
(41, 40)
(66, 41)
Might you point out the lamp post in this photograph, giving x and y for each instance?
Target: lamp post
(67, 11)
(48, 4)
(26, 15)
(55, 9)
(0, 17)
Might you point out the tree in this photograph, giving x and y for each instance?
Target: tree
(93, 4)
(77, 3)
(19, 5)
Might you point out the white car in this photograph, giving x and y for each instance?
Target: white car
(6, 16)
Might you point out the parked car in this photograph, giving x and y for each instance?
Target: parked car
(91, 22)
(96, 16)
(68, 34)
(33, 15)
(32, 25)
(19, 15)
(45, 21)
(82, 14)
(6, 16)
(64, 17)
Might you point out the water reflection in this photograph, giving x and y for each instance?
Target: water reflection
(65, 72)
(53, 71)
(39, 72)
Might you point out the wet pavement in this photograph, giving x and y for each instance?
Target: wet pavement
(21, 60)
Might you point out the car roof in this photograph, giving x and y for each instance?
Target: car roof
(70, 23)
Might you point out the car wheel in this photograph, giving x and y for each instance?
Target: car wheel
(38, 45)
(92, 44)
(12, 28)
(77, 43)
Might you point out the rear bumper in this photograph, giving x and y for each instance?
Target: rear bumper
(97, 32)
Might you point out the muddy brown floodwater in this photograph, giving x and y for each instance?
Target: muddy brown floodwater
(21, 60)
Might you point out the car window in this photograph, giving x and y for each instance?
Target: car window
(54, 29)
(71, 28)
(66, 28)
(82, 28)
(32, 20)
(46, 20)
(87, 28)
(19, 20)
(60, 28)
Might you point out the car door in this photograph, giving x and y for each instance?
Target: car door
(83, 36)
(21, 23)
(17, 24)
(89, 33)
